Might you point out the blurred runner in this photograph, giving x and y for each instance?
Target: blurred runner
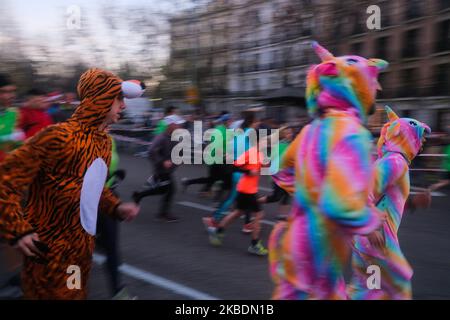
(241, 143)
(162, 181)
(10, 134)
(34, 114)
(217, 172)
(445, 181)
(246, 201)
(162, 124)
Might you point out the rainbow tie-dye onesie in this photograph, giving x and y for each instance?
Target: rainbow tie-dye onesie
(400, 141)
(331, 163)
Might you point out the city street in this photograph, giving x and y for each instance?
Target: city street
(176, 261)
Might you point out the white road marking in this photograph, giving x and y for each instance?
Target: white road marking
(434, 193)
(156, 280)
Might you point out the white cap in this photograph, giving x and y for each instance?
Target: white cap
(174, 119)
(132, 89)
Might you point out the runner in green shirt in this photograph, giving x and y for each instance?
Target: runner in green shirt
(10, 136)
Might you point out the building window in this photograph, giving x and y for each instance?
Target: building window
(337, 30)
(357, 48)
(385, 8)
(356, 24)
(381, 48)
(307, 27)
(248, 85)
(414, 9)
(409, 87)
(442, 80)
(444, 4)
(256, 85)
(275, 82)
(443, 36)
(410, 41)
(386, 91)
(443, 119)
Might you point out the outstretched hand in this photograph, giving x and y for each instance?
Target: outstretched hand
(421, 200)
(128, 211)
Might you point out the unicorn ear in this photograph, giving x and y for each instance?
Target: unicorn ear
(391, 114)
(323, 53)
(327, 69)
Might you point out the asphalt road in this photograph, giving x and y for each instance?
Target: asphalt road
(176, 261)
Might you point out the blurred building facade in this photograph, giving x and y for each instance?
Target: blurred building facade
(414, 38)
(240, 52)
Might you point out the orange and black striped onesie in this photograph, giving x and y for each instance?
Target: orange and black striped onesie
(64, 168)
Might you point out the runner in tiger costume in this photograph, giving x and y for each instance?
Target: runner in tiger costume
(64, 168)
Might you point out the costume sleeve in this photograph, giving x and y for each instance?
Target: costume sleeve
(108, 203)
(387, 171)
(17, 172)
(347, 184)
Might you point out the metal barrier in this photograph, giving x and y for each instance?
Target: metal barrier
(137, 141)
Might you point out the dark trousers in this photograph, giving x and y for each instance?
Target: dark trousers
(165, 185)
(216, 172)
(278, 194)
(108, 240)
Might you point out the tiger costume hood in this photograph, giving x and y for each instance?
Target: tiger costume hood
(97, 90)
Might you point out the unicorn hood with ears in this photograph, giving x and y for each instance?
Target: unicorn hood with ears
(402, 135)
(344, 83)
(400, 141)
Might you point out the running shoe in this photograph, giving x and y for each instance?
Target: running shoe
(209, 222)
(123, 294)
(247, 228)
(257, 249)
(215, 238)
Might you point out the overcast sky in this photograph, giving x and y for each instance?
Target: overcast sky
(45, 21)
(45, 15)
